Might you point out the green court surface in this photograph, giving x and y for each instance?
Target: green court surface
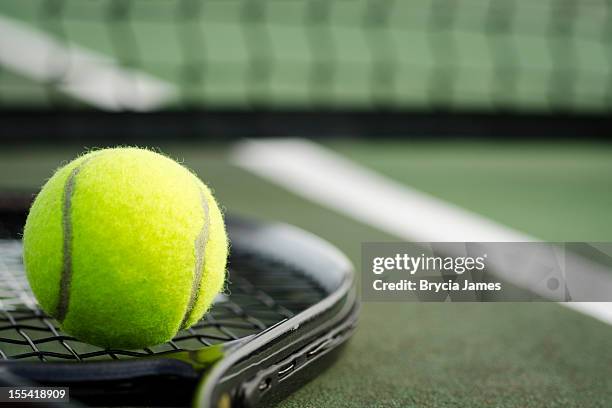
(436, 355)
(556, 191)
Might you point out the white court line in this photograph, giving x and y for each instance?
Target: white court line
(322, 176)
(84, 74)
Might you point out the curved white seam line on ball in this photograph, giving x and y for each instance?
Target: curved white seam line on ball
(66, 276)
(200, 259)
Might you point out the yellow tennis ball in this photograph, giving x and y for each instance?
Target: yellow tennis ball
(124, 247)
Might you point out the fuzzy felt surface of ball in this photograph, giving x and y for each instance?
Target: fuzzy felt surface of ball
(125, 247)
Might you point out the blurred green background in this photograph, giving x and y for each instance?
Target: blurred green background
(467, 54)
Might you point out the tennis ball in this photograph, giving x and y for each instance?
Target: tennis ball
(124, 247)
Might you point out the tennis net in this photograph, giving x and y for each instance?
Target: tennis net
(515, 55)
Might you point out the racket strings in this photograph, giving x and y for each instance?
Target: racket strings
(261, 293)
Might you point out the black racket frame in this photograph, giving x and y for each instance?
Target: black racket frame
(256, 371)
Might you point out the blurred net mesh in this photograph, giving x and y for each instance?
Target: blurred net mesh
(425, 54)
(261, 293)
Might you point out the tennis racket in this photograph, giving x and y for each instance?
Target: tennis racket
(290, 306)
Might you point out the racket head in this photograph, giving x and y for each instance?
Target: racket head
(279, 360)
(287, 290)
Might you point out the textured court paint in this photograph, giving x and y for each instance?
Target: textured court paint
(200, 255)
(135, 221)
(304, 168)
